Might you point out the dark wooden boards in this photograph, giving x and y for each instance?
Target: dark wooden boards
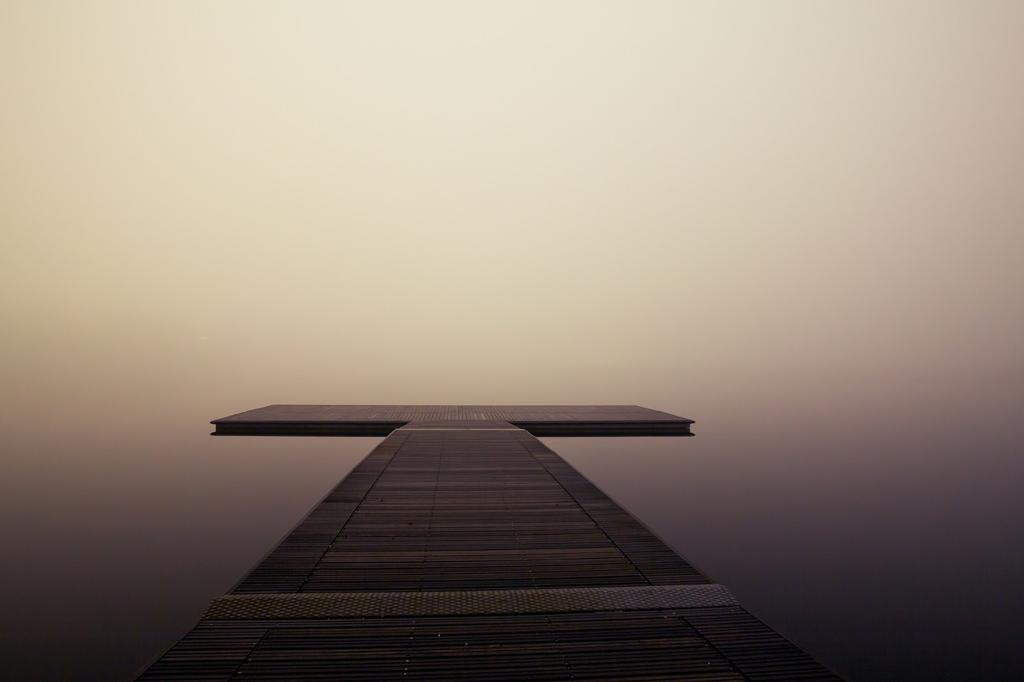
(458, 551)
(380, 420)
(724, 644)
(437, 509)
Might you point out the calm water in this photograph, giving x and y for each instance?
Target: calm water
(880, 530)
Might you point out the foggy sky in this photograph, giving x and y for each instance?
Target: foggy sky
(498, 201)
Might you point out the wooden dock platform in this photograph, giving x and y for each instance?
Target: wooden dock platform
(380, 420)
(464, 548)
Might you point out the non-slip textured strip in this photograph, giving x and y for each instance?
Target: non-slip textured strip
(466, 602)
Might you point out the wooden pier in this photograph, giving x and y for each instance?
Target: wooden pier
(463, 548)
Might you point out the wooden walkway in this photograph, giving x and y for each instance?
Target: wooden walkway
(467, 549)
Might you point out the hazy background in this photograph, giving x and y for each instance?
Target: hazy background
(799, 223)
